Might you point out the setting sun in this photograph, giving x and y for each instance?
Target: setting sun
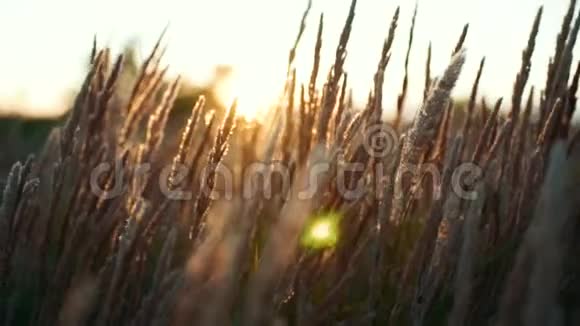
(254, 36)
(254, 95)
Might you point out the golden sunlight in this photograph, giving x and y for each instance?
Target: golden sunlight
(255, 91)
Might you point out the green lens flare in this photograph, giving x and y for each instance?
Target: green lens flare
(321, 232)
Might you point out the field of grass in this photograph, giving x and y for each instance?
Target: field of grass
(322, 214)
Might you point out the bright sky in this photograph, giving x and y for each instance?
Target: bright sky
(45, 44)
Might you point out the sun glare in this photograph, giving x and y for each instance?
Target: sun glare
(322, 232)
(255, 92)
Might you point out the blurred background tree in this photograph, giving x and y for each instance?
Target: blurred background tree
(20, 135)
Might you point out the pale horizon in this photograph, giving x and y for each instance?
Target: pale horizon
(46, 45)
